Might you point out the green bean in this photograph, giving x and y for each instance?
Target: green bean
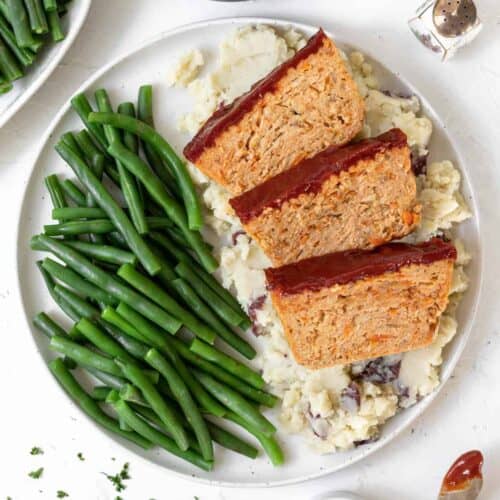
(56, 30)
(111, 316)
(218, 434)
(219, 306)
(152, 396)
(36, 14)
(5, 85)
(129, 140)
(72, 279)
(70, 213)
(61, 302)
(209, 280)
(91, 152)
(79, 305)
(19, 20)
(102, 341)
(147, 414)
(107, 379)
(89, 406)
(131, 394)
(149, 134)
(270, 445)
(104, 253)
(229, 364)
(150, 433)
(108, 283)
(82, 106)
(164, 344)
(50, 5)
(231, 442)
(155, 293)
(100, 392)
(98, 226)
(84, 356)
(55, 191)
(47, 325)
(24, 56)
(145, 114)
(235, 402)
(203, 311)
(183, 397)
(73, 192)
(133, 346)
(8, 64)
(222, 375)
(109, 205)
(158, 192)
(128, 182)
(117, 240)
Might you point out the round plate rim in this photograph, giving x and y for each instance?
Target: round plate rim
(466, 328)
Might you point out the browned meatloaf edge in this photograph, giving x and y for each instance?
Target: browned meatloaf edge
(353, 197)
(357, 305)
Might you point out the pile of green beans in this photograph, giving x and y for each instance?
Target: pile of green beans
(132, 271)
(25, 27)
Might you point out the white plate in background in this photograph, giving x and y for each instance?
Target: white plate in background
(149, 64)
(45, 63)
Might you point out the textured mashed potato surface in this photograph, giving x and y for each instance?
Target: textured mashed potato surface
(343, 406)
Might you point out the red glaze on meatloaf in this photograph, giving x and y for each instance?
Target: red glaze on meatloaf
(350, 306)
(353, 197)
(304, 105)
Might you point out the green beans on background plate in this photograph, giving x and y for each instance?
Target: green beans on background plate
(73, 192)
(149, 134)
(24, 29)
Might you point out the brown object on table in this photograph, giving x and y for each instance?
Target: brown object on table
(306, 104)
(464, 478)
(356, 305)
(356, 197)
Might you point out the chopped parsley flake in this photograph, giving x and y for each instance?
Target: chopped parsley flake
(36, 474)
(61, 494)
(36, 451)
(80, 456)
(118, 479)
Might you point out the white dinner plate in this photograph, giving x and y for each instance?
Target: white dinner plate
(46, 62)
(149, 64)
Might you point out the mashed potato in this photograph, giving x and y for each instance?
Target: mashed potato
(343, 406)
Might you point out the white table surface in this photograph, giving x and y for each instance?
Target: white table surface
(466, 93)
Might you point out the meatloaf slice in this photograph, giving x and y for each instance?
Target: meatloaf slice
(355, 305)
(304, 105)
(355, 197)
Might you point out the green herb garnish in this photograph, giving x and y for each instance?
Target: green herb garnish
(36, 474)
(80, 456)
(118, 479)
(61, 494)
(36, 451)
